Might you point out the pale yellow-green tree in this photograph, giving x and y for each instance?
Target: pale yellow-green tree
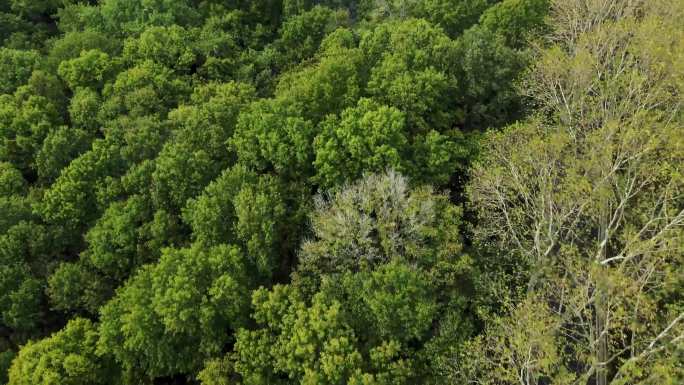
(590, 194)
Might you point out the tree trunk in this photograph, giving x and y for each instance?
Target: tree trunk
(601, 349)
(602, 342)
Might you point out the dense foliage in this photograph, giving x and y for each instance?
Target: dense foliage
(364, 192)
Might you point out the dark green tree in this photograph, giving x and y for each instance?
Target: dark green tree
(16, 67)
(486, 73)
(11, 181)
(131, 17)
(25, 121)
(301, 35)
(516, 20)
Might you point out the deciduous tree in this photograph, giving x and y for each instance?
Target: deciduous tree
(590, 195)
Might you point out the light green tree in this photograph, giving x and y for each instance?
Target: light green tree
(173, 47)
(589, 195)
(66, 357)
(169, 317)
(271, 137)
(369, 137)
(91, 69)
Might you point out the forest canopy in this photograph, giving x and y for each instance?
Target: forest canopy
(362, 192)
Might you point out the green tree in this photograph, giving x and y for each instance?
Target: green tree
(59, 148)
(181, 173)
(24, 257)
(6, 358)
(116, 243)
(131, 17)
(79, 17)
(412, 70)
(301, 35)
(453, 16)
(332, 84)
(210, 119)
(76, 287)
(221, 40)
(395, 301)
(83, 108)
(145, 89)
(270, 136)
(363, 307)
(25, 121)
(35, 8)
(67, 357)
(243, 208)
(16, 67)
(486, 73)
(173, 47)
(140, 139)
(516, 20)
(14, 29)
(22, 298)
(72, 44)
(71, 203)
(91, 69)
(198, 154)
(308, 344)
(15, 209)
(171, 316)
(369, 137)
(11, 180)
(372, 137)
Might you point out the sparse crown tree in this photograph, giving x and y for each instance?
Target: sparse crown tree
(590, 194)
